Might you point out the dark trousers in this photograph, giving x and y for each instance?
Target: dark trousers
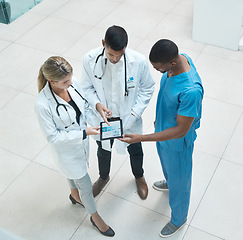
(136, 160)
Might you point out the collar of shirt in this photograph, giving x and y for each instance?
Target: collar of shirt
(120, 62)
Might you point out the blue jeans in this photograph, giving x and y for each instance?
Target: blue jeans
(136, 160)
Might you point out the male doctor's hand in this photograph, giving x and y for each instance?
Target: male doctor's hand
(104, 112)
(131, 138)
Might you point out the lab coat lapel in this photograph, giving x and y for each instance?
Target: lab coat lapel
(98, 82)
(122, 93)
(129, 61)
(100, 90)
(77, 99)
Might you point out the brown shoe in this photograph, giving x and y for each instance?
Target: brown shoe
(99, 185)
(142, 188)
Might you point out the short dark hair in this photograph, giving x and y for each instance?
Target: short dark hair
(163, 51)
(116, 38)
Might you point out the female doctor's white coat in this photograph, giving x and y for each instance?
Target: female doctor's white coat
(71, 151)
(138, 96)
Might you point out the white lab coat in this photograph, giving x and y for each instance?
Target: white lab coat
(71, 152)
(138, 97)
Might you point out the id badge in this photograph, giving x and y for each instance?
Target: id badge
(130, 83)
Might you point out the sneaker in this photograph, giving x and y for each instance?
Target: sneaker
(170, 229)
(160, 186)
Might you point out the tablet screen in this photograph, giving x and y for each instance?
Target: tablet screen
(113, 131)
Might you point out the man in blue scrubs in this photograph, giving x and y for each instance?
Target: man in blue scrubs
(178, 114)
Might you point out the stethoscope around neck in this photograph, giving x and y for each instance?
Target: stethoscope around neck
(125, 69)
(64, 106)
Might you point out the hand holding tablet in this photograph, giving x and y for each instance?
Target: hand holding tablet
(115, 129)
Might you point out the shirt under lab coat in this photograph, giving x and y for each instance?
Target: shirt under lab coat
(140, 90)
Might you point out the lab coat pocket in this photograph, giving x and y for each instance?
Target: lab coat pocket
(130, 122)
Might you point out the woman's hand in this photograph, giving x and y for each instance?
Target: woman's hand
(92, 130)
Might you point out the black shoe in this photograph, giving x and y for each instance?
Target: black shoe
(108, 233)
(74, 201)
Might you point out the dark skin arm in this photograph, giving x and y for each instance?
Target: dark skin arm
(179, 131)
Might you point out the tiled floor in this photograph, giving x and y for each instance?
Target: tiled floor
(34, 200)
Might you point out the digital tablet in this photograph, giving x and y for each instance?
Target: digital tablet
(115, 129)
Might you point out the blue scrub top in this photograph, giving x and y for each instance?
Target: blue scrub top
(181, 94)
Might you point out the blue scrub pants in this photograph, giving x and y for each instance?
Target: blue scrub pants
(177, 169)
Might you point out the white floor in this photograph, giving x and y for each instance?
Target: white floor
(34, 200)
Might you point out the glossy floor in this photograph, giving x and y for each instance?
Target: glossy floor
(34, 200)
(12, 9)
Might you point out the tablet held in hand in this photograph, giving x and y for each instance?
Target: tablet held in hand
(115, 129)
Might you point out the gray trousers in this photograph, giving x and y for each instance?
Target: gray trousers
(84, 186)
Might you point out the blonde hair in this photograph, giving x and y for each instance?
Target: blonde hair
(55, 69)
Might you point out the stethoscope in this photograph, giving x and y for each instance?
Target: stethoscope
(125, 69)
(64, 106)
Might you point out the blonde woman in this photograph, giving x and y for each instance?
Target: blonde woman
(62, 113)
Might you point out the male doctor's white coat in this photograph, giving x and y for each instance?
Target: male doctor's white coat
(70, 149)
(139, 93)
